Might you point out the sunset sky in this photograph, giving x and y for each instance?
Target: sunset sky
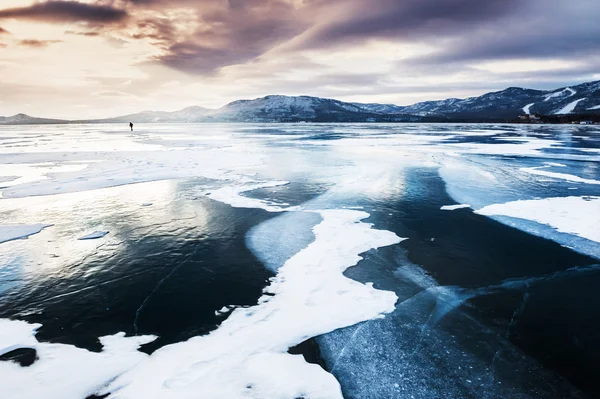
(101, 58)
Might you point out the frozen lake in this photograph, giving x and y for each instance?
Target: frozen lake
(396, 260)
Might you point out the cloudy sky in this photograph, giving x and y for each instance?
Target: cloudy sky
(100, 58)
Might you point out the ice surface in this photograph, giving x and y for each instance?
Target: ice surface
(63, 371)
(247, 355)
(11, 232)
(573, 215)
(453, 207)
(231, 195)
(563, 176)
(567, 109)
(93, 236)
(310, 248)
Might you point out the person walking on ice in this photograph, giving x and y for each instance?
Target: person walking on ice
(131, 126)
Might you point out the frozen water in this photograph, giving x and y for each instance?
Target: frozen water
(94, 236)
(454, 207)
(417, 349)
(572, 215)
(17, 231)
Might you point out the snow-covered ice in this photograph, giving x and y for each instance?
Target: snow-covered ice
(454, 207)
(11, 232)
(563, 176)
(94, 235)
(63, 371)
(247, 355)
(307, 244)
(572, 215)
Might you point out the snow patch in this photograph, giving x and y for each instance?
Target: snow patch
(559, 165)
(11, 232)
(562, 176)
(527, 108)
(247, 355)
(570, 93)
(95, 235)
(231, 195)
(572, 215)
(63, 371)
(594, 107)
(454, 207)
(567, 109)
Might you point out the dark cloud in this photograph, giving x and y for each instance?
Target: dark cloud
(356, 20)
(539, 30)
(227, 33)
(77, 33)
(4, 31)
(37, 43)
(66, 11)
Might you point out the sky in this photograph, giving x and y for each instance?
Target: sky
(81, 59)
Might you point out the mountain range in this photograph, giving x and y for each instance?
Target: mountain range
(505, 105)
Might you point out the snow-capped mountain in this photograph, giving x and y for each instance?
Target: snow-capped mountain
(505, 105)
(514, 101)
(301, 108)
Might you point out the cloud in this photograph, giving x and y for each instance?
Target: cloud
(202, 38)
(4, 31)
(66, 11)
(350, 21)
(87, 33)
(38, 43)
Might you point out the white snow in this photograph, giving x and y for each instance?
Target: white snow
(594, 107)
(247, 355)
(560, 165)
(11, 232)
(567, 109)
(231, 195)
(563, 176)
(63, 371)
(454, 207)
(573, 215)
(95, 235)
(527, 108)
(571, 92)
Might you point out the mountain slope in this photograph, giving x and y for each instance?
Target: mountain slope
(504, 105)
(277, 108)
(186, 115)
(514, 101)
(23, 119)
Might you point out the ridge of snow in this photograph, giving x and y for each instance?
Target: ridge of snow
(567, 109)
(594, 107)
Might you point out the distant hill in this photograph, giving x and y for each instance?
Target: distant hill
(505, 105)
(23, 119)
(514, 101)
